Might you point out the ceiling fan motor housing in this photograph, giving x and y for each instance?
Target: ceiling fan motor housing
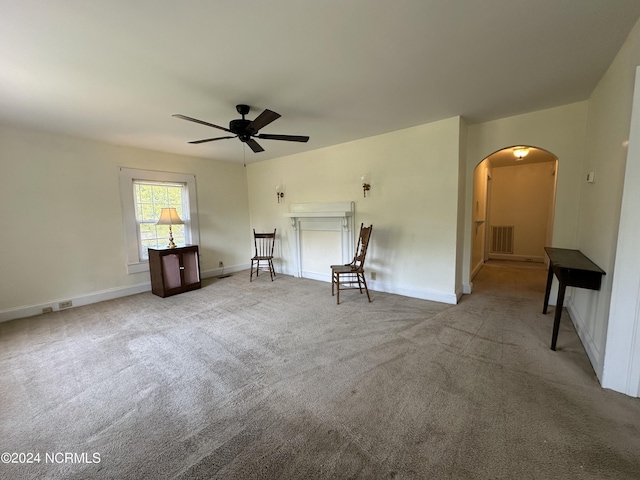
(240, 128)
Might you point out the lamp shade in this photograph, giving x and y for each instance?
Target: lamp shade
(169, 216)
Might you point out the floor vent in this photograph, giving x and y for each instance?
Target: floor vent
(502, 239)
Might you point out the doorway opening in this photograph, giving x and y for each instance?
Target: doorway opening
(514, 191)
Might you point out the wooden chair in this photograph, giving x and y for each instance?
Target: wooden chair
(351, 275)
(264, 243)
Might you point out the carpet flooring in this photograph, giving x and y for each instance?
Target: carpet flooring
(273, 380)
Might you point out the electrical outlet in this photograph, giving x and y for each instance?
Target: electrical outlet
(373, 275)
(220, 264)
(47, 310)
(65, 304)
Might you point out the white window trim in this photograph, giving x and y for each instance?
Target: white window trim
(127, 176)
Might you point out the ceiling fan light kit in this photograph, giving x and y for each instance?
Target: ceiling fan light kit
(245, 130)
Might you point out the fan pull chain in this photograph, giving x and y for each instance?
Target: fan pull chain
(244, 154)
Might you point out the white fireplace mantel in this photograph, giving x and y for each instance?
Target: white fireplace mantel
(336, 216)
(342, 216)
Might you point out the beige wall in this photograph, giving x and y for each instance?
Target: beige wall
(62, 220)
(413, 203)
(561, 131)
(462, 269)
(479, 215)
(606, 155)
(520, 196)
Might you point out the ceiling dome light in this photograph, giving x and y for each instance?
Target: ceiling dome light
(520, 152)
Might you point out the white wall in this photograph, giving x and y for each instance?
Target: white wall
(412, 204)
(561, 131)
(62, 220)
(606, 153)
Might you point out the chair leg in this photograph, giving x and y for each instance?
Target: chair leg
(272, 272)
(338, 288)
(365, 285)
(251, 276)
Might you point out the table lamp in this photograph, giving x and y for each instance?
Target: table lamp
(169, 216)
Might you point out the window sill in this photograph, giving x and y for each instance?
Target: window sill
(137, 267)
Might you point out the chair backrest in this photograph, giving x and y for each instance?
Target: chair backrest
(361, 248)
(264, 243)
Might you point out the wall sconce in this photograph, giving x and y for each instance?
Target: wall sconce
(279, 192)
(520, 153)
(366, 185)
(169, 216)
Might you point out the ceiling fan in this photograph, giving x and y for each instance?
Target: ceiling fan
(246, 130)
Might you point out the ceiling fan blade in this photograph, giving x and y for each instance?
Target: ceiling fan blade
(288, 138)
(184, 117)
(210, 139)
(255, 146)
(262, 120)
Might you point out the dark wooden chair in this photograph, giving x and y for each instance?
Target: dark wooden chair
(263, 258)
(351, 275)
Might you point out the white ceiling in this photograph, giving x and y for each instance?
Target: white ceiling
(336, 70)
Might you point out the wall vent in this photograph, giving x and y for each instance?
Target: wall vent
(502, 239)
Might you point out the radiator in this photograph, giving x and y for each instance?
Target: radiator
(502, 239)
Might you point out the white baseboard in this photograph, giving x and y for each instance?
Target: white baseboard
(109, 294)
(585, 337)
(476, 269)
(322, 277)
(516, 258)
(377, 286)
(216, 272)
(77, 301)
(99, 296)
(423, 294)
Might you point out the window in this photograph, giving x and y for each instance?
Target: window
(144, 193)
(150, 198)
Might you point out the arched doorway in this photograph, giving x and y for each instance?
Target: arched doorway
(513, 205)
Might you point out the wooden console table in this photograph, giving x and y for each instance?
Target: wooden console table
(174, 270)
(572, 269)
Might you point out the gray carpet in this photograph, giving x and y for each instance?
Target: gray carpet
(272, 380)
